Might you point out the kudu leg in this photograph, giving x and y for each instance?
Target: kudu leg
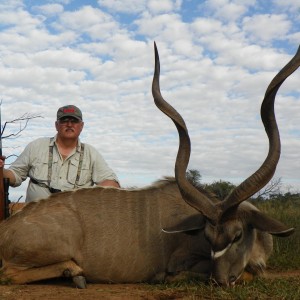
(69, 268)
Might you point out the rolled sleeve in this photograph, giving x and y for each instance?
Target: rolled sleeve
(20, 167)
(32, 162)
(100, 169)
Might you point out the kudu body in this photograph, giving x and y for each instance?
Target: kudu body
(106, 234)
(115, 235)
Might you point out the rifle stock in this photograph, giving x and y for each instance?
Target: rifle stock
(2, 193)
(6, 197)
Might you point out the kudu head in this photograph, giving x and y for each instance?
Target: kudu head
(230, 227)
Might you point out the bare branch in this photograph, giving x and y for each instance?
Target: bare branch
(8, 156)
(24, 118)
(22, 121)
(273, 187)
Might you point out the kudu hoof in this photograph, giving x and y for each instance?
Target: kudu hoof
(80, 282)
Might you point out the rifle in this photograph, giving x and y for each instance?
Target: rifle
(2, 200)
(6, 198)
(4, 182)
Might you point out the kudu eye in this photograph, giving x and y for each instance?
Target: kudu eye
(206, 237)
(237, 237)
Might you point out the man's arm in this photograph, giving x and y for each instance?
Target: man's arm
(102, 174)
(107, 182)
(9, 174)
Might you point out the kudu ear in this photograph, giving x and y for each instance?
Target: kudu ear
(263, 222)
(189, 225)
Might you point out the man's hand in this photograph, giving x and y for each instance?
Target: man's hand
(2, 161)
(7, 173)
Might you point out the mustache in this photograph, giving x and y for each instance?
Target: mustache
(69, 128)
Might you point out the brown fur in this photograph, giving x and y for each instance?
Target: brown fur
(111, 235)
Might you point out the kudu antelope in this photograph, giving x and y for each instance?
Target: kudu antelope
(115, 235)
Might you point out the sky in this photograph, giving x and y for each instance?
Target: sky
(217, 59)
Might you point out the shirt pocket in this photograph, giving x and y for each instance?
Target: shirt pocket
(39, 170)
(85, 176)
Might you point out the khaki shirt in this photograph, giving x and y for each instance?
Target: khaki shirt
(33, 163)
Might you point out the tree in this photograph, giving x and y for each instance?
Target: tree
(194, 177)
(4, 182)
(220, 188)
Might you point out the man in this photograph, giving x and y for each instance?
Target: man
(60, 163)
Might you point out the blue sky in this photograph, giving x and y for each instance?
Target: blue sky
(217, 59)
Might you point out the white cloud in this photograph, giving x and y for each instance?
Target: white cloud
(65, 58)
(97, 24)
(163, 6)
(168, 29)
(227, 10)
(7, 5)
(125, 6)
(49, 9)
(214, 71)
(21, 19)
(138, 6)
(205, 26)
(290, 5)
(266, 27)
(33, 40)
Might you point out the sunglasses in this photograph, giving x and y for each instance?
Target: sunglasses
(67, 120)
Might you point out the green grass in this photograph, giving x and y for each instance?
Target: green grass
(286, 252)
(258, 289)
(285, 258)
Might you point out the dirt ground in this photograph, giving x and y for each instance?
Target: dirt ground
(60, 290)
(63, 289)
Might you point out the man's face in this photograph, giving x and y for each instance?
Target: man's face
(69, 127)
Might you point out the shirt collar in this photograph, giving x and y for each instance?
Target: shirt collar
(53, 141)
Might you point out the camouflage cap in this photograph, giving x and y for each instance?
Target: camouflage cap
(69, 111)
